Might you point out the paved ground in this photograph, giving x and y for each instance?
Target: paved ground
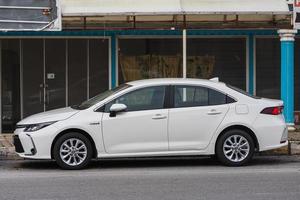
(272, 177)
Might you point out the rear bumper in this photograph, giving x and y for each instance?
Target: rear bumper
(271, 132)
(276, 146)
(274, 137)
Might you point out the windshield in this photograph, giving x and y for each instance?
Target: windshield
(242, 91)
(96, 99)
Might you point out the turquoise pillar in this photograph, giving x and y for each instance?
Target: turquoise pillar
(251, 64)
(287, 73)
(113, 62)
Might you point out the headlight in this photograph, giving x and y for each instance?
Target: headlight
(35, 127)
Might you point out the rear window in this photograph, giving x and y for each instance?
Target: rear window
(242, 92)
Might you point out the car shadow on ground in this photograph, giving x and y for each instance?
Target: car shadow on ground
(157, 162)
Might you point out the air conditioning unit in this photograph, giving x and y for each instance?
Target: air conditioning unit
(30, 15)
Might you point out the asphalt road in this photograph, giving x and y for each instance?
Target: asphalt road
(153, 179)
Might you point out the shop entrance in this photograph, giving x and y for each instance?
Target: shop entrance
(44, 75)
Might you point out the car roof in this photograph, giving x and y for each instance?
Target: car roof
(172, 81)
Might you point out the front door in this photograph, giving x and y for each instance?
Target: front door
(142, 127)
(44, 75)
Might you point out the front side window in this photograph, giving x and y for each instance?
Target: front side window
(149, 98)
(191, 96)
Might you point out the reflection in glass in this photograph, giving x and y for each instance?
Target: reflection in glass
(268, 67)
(77, 70)
(149, 98)
(217, 57)
(10, 57)
(149, 58)
(33, 76)
(55, 50)
(98, 66)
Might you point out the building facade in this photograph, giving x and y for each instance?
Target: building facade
(99, 50)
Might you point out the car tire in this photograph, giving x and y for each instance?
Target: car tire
(235, 148)
(72, 151)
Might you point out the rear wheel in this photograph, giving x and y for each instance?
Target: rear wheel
(235, 148)
(72, 151)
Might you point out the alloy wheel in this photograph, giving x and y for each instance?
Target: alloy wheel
(73, 151)
(236, 148)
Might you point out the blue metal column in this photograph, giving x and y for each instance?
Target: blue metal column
(287, 73)
(113, 52)
(251, 64)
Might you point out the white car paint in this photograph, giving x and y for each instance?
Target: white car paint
(169, 131)
(52, 115)
(192, 128)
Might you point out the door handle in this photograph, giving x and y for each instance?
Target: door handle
(95, 123)
(159, 116)
(214, 112)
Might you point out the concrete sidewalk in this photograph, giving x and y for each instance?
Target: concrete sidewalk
(7, 149)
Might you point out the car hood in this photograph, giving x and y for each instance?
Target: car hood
(49, 116)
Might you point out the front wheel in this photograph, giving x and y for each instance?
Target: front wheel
(72, 151)
(235, 148)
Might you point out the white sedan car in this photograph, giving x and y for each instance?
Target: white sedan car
(156, 117)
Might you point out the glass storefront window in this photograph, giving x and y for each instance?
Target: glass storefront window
(87, 56)
(33, 76)
(268, 67)
(10, 97)
(217, 57)
(98, 66)
(149, 58)
(55, 73)
(77, 65)
(47, 65)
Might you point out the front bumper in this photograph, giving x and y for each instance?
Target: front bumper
(34, 145)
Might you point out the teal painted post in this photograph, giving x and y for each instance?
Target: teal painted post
(287, 73)
(113, 61)
(250, 64)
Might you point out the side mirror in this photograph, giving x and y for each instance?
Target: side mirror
(117, 107)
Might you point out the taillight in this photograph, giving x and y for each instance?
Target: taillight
(273, 110)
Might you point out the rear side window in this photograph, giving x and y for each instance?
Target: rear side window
(192, 96)
(216, 98)
(188, 96)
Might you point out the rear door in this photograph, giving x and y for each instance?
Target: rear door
(197, 113)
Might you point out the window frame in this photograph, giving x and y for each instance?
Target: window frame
(166, 103)
(172, 96)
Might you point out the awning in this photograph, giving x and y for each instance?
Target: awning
(171, 7)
